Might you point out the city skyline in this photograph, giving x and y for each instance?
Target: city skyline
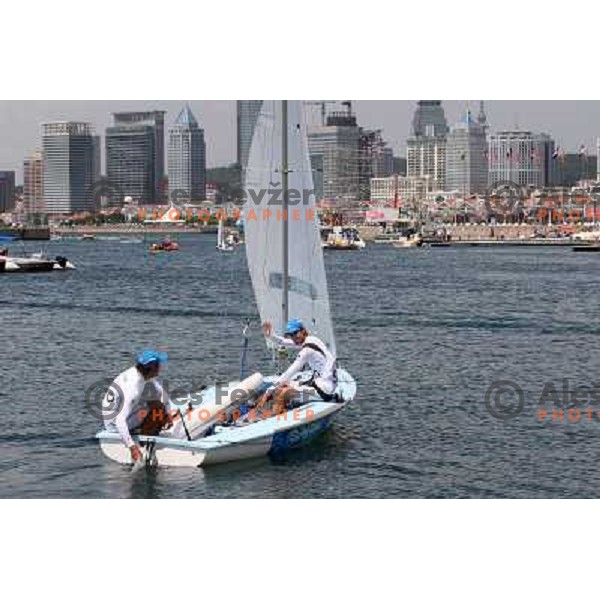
(570, 123)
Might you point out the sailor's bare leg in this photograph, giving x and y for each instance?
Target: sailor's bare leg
(277, 401)
(156, 419)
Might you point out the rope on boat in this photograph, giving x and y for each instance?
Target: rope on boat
(246, 336)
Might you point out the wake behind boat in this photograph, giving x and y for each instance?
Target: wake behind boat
(286, 266)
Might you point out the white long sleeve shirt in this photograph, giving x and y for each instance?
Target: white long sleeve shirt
(130, 384)
(321, 363)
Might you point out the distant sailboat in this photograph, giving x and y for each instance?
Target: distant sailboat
(223, 245)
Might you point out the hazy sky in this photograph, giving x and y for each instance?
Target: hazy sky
(572, 123)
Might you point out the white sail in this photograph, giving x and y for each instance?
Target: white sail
(220, 234)
(263, 221)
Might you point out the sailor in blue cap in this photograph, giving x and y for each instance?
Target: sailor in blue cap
(312, 353)
(125, 407)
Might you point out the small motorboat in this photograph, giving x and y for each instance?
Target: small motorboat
(164, 246)
(341, 238)
(415, 241)
(87, 237)
(33, 263)
(588, 248)
(7, 238)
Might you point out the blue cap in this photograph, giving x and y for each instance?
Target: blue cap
(293, 326)
(147, 357)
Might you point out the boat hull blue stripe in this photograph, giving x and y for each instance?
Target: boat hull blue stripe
(298, 436)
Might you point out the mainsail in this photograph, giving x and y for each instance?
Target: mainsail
(220, 234)
(263, 222)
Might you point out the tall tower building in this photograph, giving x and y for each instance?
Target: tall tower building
(426, 149)
(482, 117)
(247, 115)
(187, 158)
(375, 159)
(33, 183)
(97, 157)
(429, 119)
(68, 166)
(335, 157)
(467, 157)
(7, 191)
(521, 157)
(426, 158)
(135, 154)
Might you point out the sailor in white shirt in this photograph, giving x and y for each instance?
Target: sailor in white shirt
(124, 408)
(313, 353)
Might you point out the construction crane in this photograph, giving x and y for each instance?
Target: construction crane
(323, 104)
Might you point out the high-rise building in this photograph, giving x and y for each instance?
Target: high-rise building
(521, 157)
(426, 157)
(97, 157)
(399, 166)
(135, 154)
(387, 162)
(7, 191)
(429, 119)
(572, 167)
(187, 158)
(68, 159)
(33, 183)
(247, 115)
(335, 158)
(426, 149)
(467, 157)
(376, 159)
(482, 117)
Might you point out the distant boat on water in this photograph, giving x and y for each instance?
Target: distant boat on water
(341, 238)
(589, 248)
(32, 263)
(7, 238)
(224, 244)
(164, 246)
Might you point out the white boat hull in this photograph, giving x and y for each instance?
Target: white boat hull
(271, 436)
(34, 265)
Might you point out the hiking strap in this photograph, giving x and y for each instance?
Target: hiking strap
(320, 351)
(314, 347)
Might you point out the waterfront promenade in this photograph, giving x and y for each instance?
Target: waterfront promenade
(129, 230)
(460, 233)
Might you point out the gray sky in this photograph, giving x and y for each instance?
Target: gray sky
(572, 123)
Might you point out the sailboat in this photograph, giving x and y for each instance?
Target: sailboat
(222, 244)
(286, 266)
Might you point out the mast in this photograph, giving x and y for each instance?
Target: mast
(284, 172)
